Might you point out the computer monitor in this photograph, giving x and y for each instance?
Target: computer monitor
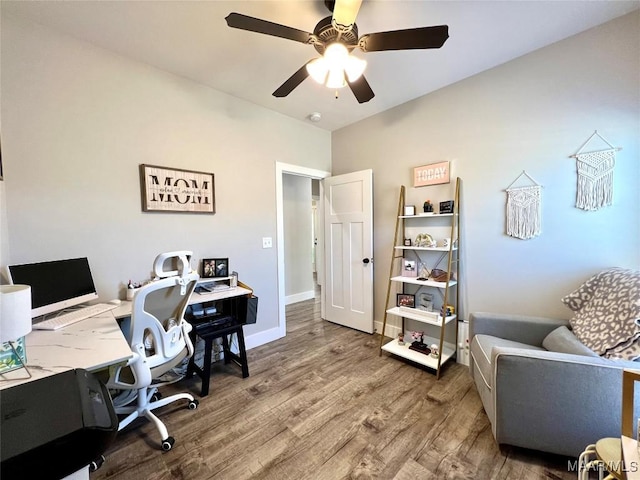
(55, 285)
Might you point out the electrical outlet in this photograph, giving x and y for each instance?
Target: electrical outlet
(267, 242)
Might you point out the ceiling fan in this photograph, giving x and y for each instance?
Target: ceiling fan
(334, 38)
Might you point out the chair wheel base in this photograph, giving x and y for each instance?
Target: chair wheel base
(167, 443)
(193, 404)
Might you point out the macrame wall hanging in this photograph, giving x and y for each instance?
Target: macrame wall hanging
(523, 209)
(595, 175)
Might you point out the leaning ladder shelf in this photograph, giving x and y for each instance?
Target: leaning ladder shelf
(447, 350)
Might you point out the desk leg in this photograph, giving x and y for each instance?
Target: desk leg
(206, 366)
(243, 354)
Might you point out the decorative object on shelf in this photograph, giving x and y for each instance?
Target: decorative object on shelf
(418, 343)
(439, 275)
(423, 272)
(407, 242)
(424, 240)
(447, 311)
(446, 206)
(406, 300)
(433, 174)
(401, 339)
(425, 301)
(409, 268)
(176, 190)
(409, 210)
(434, 350)
(428, 207)
(15, 323)
(595, 175)
(523, 209)
(446, 242)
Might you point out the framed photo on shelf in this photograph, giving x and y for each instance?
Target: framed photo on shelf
(208, 267)
(406, 300)
(409, 268)
(215, 267)
(425, 302)
(409, 209)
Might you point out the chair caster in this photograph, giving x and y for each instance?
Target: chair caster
(96, 464)
(193, 404)
(156, 396)
(167, 443)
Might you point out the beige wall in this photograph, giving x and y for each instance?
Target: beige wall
(529, 114)
(77, 122)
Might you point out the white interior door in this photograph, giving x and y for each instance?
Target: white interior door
(348, 244)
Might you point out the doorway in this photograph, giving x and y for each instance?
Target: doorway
(283, 174)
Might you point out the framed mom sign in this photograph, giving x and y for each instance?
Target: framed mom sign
(433, 174)
(176, 190)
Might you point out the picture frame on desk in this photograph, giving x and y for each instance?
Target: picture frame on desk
(215, 267)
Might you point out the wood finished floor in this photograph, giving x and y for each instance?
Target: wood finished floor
(321, 404)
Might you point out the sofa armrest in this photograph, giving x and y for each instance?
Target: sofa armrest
(519, 328)
(556, 402)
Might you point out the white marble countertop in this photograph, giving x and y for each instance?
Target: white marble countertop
(92, 344)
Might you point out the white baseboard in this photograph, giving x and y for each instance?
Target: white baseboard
(262, 338)
(391, 331)
(299, 297)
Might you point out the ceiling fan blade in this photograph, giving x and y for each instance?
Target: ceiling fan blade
(252, 24)
(361, 90)
(345, 12)
(292, 82)
(411, 38)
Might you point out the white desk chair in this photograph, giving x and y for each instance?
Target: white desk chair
(159, 339)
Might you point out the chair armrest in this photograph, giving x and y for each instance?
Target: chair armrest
(555, 402)
(518, 328)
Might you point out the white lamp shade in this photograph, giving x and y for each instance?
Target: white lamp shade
(15, 312)
(345, 12)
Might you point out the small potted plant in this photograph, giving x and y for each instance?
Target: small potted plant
(428, 207)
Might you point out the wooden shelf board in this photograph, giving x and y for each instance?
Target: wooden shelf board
(426, 283)
(431, 249)
(427, 360)
(420, 317)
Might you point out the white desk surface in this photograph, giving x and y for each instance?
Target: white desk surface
(124, 309)
(92, 344)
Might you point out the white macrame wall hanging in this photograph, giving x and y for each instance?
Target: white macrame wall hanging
(524, 209)
(595, 176)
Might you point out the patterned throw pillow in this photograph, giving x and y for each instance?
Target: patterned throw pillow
(606, 309)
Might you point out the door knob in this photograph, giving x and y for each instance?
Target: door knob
(366, 260)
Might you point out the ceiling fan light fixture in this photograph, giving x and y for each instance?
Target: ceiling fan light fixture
(318, 69)
(354, 67)
(335, 79)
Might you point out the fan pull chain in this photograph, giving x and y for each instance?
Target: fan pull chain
(336, 94)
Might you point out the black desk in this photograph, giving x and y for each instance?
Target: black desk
(231, 315)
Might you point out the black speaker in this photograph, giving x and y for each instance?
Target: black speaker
(55, 426)
(248, 311)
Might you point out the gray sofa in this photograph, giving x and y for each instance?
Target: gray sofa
(538, 398)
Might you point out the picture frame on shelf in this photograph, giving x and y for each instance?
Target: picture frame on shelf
(409, 268)
(407, 242)
(215, 267)
(425, 302)
(405, 300)
(208, 268)
(221, 267)
(409, 210)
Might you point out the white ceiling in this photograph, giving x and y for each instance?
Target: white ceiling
(191, 39)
